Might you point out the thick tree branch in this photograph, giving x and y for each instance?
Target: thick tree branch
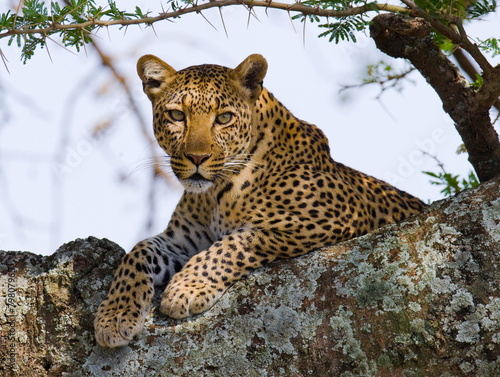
(490, 91)
(405, 37)
(373, 306)
(296, 7)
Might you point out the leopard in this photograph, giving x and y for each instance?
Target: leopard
(259, 185)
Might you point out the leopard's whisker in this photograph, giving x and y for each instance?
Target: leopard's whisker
(150, 163)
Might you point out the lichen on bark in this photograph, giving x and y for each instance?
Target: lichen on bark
(420, 298)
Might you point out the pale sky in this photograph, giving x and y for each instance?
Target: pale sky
(58, 183)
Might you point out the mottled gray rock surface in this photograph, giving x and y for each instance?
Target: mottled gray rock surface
(421, 298)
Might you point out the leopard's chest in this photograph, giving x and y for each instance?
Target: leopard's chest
(226, 217)
(234, 205)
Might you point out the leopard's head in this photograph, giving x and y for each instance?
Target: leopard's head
(203, 116)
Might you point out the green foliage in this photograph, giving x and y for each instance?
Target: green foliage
(378, 72)
(384, 75)
(454, 11)
(480, 8)
(453, 184)
(463, 9)
(478, 82)
(491, 45)
(41, 16)
(344, 28)
(443, 8)
(73, 22)
(442, 42)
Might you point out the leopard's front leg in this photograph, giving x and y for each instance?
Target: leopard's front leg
(208, 274)
(121, 315)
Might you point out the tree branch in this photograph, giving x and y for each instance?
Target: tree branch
(490, 91)
(404, 37)
(459, 38)
(296, 7)
(471, 71)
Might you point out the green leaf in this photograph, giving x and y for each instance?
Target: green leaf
(434, 175)
(452, 183)
(490, 45)
(35, 11)
(480, 8)
(344, 29)
(7, 20)
(442, 42)
(479, 82)
(140, 14)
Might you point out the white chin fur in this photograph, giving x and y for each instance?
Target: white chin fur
(196, 186)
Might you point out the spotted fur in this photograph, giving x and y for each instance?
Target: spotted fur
(259, 185)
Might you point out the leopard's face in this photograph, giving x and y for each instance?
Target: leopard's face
(204, 125)
(202, 119)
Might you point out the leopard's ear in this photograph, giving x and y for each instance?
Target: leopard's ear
(153, 72)
(250, 75)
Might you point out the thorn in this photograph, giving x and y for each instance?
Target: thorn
(304, 32)
(84, 44)
(251, 12)
(206, 19)
(47, 47)
(4, 60)
(291, 21)
(248, 19)
(154, 30)
(223, 24)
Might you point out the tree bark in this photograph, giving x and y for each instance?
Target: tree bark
(405, 37)
(419, 298)
(465, 64)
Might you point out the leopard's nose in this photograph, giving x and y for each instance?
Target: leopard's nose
(197, 159)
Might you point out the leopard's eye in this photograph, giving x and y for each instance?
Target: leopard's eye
(224, 118)
(176, 115)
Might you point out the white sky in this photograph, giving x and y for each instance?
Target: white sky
(104, 185)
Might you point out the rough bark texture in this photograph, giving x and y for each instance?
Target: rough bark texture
(421, 298)
(401, 36)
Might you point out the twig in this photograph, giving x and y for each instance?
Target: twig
(392, 79)
(107, 62)
(157, 170)
(436, 159)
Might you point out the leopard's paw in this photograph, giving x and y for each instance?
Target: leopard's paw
(187, 295)
(116, 324)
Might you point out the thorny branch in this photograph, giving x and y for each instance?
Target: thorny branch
(448, 25)
(296, 7)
